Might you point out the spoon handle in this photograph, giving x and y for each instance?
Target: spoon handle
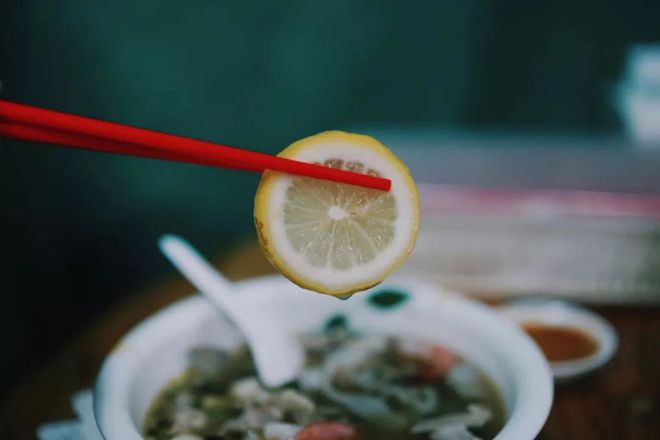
(278, 356)
(198, 271)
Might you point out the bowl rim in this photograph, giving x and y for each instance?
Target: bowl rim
(523, 420)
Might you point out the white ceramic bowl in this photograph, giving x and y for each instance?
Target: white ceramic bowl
(554, 312)
(155, 351)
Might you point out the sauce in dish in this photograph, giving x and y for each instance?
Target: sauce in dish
(561, 343)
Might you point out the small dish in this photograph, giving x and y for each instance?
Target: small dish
(555, 313)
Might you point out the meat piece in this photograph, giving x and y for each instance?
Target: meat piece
(328, 431)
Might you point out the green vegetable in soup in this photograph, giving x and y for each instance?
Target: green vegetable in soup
(353, 387)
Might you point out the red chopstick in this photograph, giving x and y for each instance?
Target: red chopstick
(24, 122)
(38, 134)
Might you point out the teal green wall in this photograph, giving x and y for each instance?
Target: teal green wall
(80, 228)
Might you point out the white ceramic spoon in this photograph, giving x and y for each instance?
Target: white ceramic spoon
(277, 356)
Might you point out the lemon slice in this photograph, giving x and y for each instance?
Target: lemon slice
(335, 238)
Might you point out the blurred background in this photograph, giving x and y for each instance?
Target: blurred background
(507, 107)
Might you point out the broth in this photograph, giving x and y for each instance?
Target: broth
(360, 387)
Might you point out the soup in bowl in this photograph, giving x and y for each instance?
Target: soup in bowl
(402, 360)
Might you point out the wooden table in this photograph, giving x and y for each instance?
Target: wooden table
(621, 402)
